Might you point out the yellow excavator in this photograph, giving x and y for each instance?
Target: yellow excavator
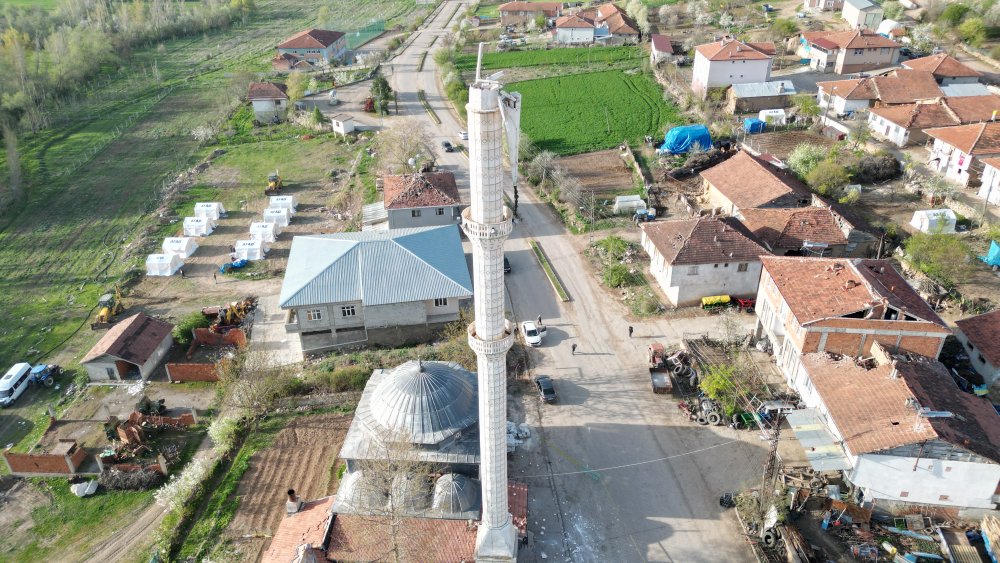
(273, 184)
(109, 306)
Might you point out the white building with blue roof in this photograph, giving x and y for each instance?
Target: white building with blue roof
(388, 287)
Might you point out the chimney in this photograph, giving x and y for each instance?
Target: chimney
(850, 284)
(293, 504)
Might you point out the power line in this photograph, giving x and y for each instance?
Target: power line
(627, 465)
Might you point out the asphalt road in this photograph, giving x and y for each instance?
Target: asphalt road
(615, 472)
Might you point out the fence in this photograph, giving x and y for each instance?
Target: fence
(192, 372)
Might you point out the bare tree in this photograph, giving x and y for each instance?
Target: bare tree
(404, 148)
(252, 382)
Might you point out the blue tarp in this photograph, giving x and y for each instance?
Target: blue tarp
(992, 257)
(754, 125)
(679, 140)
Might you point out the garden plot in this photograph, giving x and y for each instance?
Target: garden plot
(605, 174)
(782, 143)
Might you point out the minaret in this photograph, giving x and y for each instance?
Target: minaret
(487, 223)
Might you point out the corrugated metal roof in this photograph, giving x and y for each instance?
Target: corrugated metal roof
(859, 4)
(763, 89)
(374, 213)
(965, 90)
(376, 267)
(821, 448)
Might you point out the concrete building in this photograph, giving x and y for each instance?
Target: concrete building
(342, 123)
(980, 335)
(823, 5)
(131, 349)
(806, 231)
(269, 101)
(862, 14)
(839, 97)
(522, 13)
(415, 200)
(310, 49)
(660, 49)
(907, 433)
(847, 52)
(756, 96)
(487, 223)
(574, 30)
(612, 25)
(989, 188)
(374, 287)
(904, 125)
(841, 306)
(729, 61)
(946, 69)
(696, 258)
(745, 181)
(958, 152)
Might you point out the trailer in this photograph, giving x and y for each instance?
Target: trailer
(659, 370)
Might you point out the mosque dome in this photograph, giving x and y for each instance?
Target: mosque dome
(427, 402)
(455, 493)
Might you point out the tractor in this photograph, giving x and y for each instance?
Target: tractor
(45, 374)
(273, 184)
(109, 306)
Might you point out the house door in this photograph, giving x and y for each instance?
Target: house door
(887, 128)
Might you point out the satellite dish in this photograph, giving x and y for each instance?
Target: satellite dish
(412, 162)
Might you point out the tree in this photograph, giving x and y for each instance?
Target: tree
(826, 177)
(785, 27)
(943, 257)
(317, 116)
(804, 158)
(861, 134)
(295, 86)
(805, 104)
(923, 37)
(725, 21)
(252, 382)
(404, 148)
(973, 31)
(892, 9)
(541, 167)
(953, 14)
(382, 94)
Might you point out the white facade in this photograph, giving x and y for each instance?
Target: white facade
(269, 110)
(952, 163)
(278, 215)
(686, 284)
(716, 74)
(210, 209)
(927, 481)
(868, 17)
(163, 264)
(110, 368)
(990, 188)
(888, 130)
(342, 123)
(181, 246)
(574, 35)
(839, 106)
(990, 372)
(198, 226)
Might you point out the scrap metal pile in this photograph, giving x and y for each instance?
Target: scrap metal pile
(234, 315)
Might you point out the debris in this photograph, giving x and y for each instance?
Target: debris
(84, 489)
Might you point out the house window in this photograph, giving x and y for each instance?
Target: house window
(716, 265)
(692, 270)
(743, 267)
(944, 497)
(904, 494)
(439, 211)
(110, 372)
(859, 51)
(441, 302)
(969, 344)
(314, 315)
(414, 213)
(981, 359)
(347, 311)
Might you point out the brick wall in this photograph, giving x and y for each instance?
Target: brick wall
(192, 372)
(37, 464)
(77, 457)
(205, 337)
(185, 419)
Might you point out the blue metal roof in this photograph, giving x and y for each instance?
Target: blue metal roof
(376, 267)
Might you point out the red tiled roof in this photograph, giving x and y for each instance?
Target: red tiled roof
(749, 182)
(735, 50)
(428, 189)
(975, 139)
(517, 500)
(945, 112)
(573, 21)
(983, 331)
(874, 408)
(618, 22)
(267, 91)
(311, 39)
(905, 86)
(942, 65)
(550, 9)
(133, 339)
(661, 43)
(366, 538)
(790, 228)
(823, 288)
(309, 525)
(706, 240)
(853, 89)
(994, 162)
(854, 39)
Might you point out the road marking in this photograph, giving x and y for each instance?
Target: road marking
(589, 471)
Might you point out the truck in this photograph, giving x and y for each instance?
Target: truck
(659, 370)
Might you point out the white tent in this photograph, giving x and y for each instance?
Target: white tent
(211, 209)
(277, 215)
(252, 249)
(772, 116)
(198, 226)
(181, 246)
(266, 232)
(628, 203)
(163, 264)
(934, 221)
(286, 201)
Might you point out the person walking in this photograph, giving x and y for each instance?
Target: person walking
(539, 320)
(573, 348)
(630, 329)
(215, 278)
(181, 270)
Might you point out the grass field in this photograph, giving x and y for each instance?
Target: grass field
(47, 4)
(586, 112)
(563, 56)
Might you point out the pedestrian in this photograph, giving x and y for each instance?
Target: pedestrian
(181, 270)
(215, 277)
(232, 249)
(539, 319)
(573, 348)
(630, 329)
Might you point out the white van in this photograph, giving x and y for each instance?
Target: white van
(14, 382)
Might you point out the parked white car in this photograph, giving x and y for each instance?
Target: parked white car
(532, 333)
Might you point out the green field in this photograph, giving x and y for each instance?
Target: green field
(47, 4)
(585, 112)
(563, 56)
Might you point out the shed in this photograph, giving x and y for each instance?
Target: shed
(163, 264)
(286, 201)
(252, 249)
(183, 247)
(935, 221)
(198, 226)
(132, 347)
(342, 123)
(210, 209)
(628, 203)
(755, 96)
(264, 231)
(278, 215)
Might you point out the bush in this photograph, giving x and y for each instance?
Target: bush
(183, 330)
(876, 168)
(615, 247)
(347, 378)
(944, 258)
(804, 158)
(223, 432)
(953, 14)
(141, 480)
(827, 176)
(893, 10)
(618, 275)
(973, 30)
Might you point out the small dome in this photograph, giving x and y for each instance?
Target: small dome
(360, 492)
(454, 492)
(411, 492)
(426, 402)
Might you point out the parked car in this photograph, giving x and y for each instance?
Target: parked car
(506, 265)
(546, 390)
(14, 382)
(447, 146)
(905, 52)
(532, 333)
(464, 135)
